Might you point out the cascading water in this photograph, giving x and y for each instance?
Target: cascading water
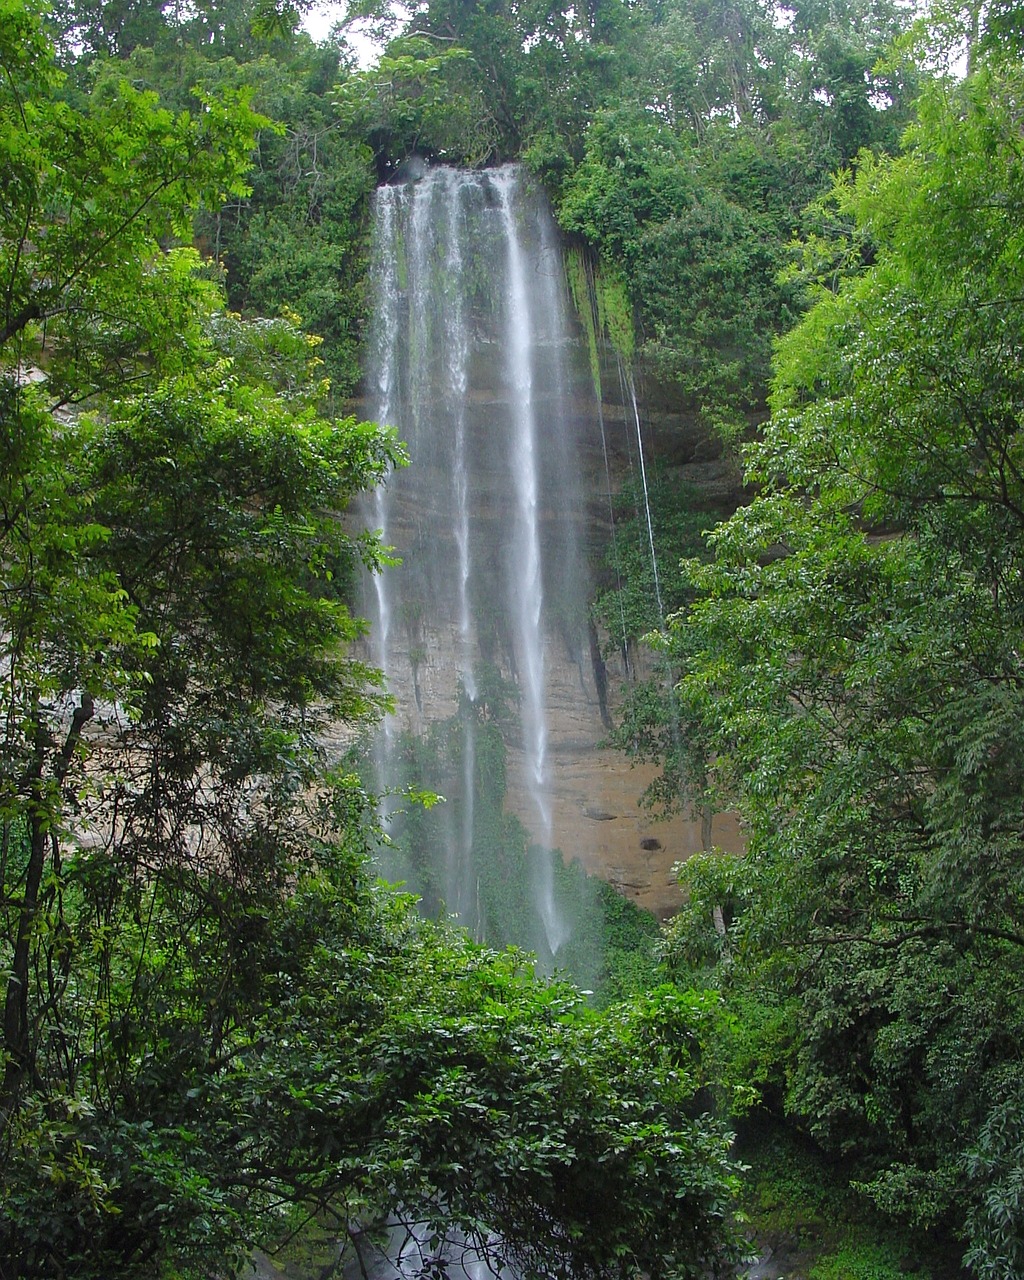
(459, 860)
(470, 365)
(525, 588)
(385, 367)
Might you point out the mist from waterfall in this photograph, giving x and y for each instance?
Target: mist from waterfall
(469, 362)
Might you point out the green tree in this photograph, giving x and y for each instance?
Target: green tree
(853, 654)
(294, 239)
(700, 261)
(421, 100)
(217, 1027)
(846, 91)
(170, 626)
(89, 29)
(81, 272)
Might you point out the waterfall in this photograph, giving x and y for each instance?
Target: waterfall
(471, 362)
(524, 583)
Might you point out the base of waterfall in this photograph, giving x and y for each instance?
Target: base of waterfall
(401, 1252)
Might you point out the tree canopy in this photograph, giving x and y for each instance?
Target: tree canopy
(218, 1028)
(853, 653)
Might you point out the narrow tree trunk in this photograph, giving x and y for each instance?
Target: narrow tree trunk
(43, 794)
(16, 1046)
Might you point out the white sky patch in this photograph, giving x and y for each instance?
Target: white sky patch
(319, 21)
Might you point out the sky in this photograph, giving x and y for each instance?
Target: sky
(319, 20)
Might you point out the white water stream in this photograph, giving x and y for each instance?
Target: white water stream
(525, 586)
(459, 878)
(632, 410)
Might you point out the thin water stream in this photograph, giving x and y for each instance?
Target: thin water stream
(632, 410)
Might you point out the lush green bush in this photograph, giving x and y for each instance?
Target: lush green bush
(861, 1262)
(327, 1051)
(851, 656)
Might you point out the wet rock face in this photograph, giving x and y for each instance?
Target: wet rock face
(500, 521)
(593, 792)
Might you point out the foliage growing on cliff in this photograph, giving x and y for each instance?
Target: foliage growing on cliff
(680, 143)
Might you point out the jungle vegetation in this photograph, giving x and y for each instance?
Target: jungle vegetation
(218, 1027)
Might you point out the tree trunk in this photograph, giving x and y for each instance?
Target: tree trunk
(16, 1046)
(43, 795)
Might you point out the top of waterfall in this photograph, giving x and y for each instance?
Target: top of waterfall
(412, 169)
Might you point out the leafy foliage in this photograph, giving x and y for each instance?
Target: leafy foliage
(418, 101)
(851, 654)
(293, 242)
(93, 194)
(650, 725)
(216, 1024)
(368, 1063)
(298, 243)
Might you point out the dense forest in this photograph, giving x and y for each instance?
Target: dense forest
(803, 224)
